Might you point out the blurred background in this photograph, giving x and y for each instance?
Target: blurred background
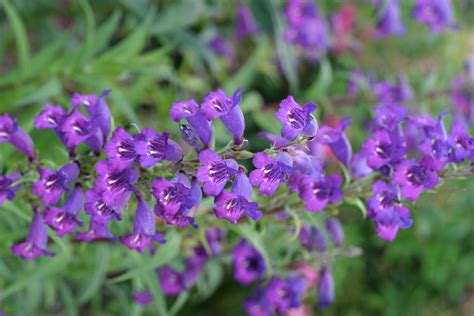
(151, 53)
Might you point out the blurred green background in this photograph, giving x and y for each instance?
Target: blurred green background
(151, 53)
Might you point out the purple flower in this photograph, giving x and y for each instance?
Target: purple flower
(389, 116)
(337, 140)
(336, 233)
(200, 126)
(65, 219)
(52, 184)
(217, 104)
(436, 14)
(296, 119)
(152, 148)
(175, 199)
(214, 172)
(222, 48)
(121, 146)
(215, 237)
(144, 229)
(285, 294)
(194, 267)
(312, 239)
(7, 189)
(270, 171)
(390, 94)
(143, 298)
(100, 211)
(233, 205)
(388, 19)
(247, 262)
(326, 288)
(190, 137)
(115, 181)
(245, 22)
(318, 193)
(171, 281)
(96, 231)
(359, 166)
(461, 145)
(461, 96)
(76, 128)
(414, 177)
(36, 242)
(257, 305)
(100, 116)
(382, 149)
(18, 138)
(50, 117)
(87, 100)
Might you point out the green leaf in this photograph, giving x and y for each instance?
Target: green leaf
(93, 285)
(178, 15)
(179, 303)
(68, 299)
(266, 121)
(357, 203)
(19, 31)
(51, 88)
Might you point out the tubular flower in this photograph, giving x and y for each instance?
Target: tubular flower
(270, 171)
(296, 119)
(52, 184)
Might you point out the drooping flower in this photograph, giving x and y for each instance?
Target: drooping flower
(245, 22)
(234, 204)
(247, 262)
(7, 189)
(318, 193)
(171, 281)
(121, 146)
(175, 199)
(17, 137)
(436, 14)
(191, 111)
(414, 177)
(36, 242)
(383, 148)
(217, 104)
(388, 19)
(326, 288)
(296, 119)
(285, 294)
(152, 148)
(144, 229)
(115, 182)
(312, 238)
(50, 117)
(95, 231)
(270, 171)
(143, 297)
(214, 172)
(65, 219)
(190, 137)
(100, 211)
(336, 233)
(337, 140)
(52, 184)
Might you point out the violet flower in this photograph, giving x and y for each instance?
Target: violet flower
(50, 117)
(96, 231)
(121, 146)
(100, 211)
(201, 126)
(17, 137)
(190, 137)
(144, 229)
(436, 14)
(221, 47)
(337, 140)
(392, 94)
(285, 294)
(336, 233)
(245, 22)
(76, 129)
(312, 238)
(214, 172)
(414, 177)
(36, 242)
(359, 165)
(318, 193)
(65, 219)
(461, 145)
(143, 298)
(171, 281)
(234, 204)
(270, 171)
(257, 305)
(388, 19)
(326, 288)
(389, 116)
(382, 149)
(52, 184)
(296, 119)
(247, 262)
(217, 104)
(152, 148)
(100, 116)
(215, 237)
(7, 189)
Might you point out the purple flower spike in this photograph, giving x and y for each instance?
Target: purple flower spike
(96, 231)
(247, 262)
(172, 282)
(388, 19)
(270, 171)
(64, 220)
(101, 212)
(121, 146)
(317, 194)
(381, 149)
(18, 138)
(285, 294)
(190, 111)
(233, 205)
(296, 119)
(153, 148)
(36, 242)
(326, 288)
(245, 22)
(50, 117)
(52, 184)
(334, 228)
(337, 140)
(7, 189)
(214, 172)
(144, 229)
(414, 177)
(217, 104)
(436, 14)
(116, 181)
(312, 239)
(143, 298)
